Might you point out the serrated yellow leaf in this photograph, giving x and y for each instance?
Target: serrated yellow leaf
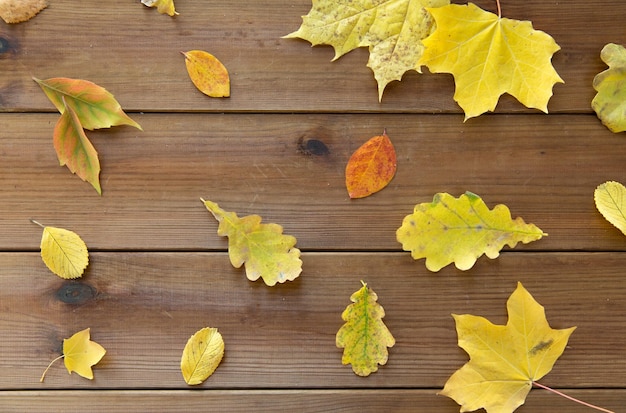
(610, 101)
(610, 199)
(163, 6)
(489, 56)
(392, 30)
(202, 354)
(364, 337)
(207, 73)
(80, 353)
(64, 252)
(460, 230)
(266, 251)
(505, 360)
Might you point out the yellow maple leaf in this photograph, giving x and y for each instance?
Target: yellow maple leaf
(505, 360)
(364, 337)
(63, 252)
(610, 199)
(201, 356)
(80, 354)
(392, 30)
(266, 251)
(460, 230)
(163, 6)
(610, 101)
(488, 56)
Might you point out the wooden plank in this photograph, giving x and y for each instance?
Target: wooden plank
(142, 307)
(141, 64)
(545, 168)
(272, 401)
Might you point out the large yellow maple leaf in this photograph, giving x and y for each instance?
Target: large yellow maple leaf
(392, 30)
(506, 360)
(488, 56)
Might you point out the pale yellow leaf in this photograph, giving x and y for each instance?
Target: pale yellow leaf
(163, 6)
(64, 252)
(202, 354)
(610, 198)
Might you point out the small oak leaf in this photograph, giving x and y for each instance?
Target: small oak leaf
(610, 101)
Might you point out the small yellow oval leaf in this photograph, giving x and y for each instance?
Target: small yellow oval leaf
(207, 73)
(201, 356)
(610, 198)
(371, 167)
(64, 252)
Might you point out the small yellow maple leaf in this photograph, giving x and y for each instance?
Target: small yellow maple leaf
(364, 337)
(163, 6)
(459, 230)
(80, 354)
(488, 56)
(266, 251)
(610, 101)
(610, 199)
(201, 356)
(63, 252)
(505, 360)
(392, 30)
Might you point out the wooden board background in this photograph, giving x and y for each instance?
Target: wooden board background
(278, 148)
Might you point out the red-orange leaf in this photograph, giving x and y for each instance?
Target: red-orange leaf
(207, 73)
(74, 149)
(95, 107)
(371, 167)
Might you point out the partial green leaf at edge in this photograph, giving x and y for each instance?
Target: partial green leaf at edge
(94, 105)
(74, 149)
(610, 199)
(610, 101)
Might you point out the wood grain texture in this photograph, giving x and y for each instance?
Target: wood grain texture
(135, 53)
(544, 168)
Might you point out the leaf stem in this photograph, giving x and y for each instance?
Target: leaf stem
(50, 365)
(499, 9)
(572, 398)
(38, 223)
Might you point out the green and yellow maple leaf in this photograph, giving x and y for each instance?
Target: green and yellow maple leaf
(364, 337)
(201, 356)
(488, 56)
(460, 230)
(610, 101)
(266, 251)
(392, 30)
(80, 354)
(610, 199)
(505, 360)
(163, 6)
(63, 251)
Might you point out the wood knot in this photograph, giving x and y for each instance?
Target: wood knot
(7, 46)
(312, 147)
(75, 293)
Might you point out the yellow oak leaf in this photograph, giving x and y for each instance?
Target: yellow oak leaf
(163, 6)
(371, 167)
(364, 337)
(610, 101)
(610, 199)
(266, 251)
(207, 73)
(201, 356)
(488, 56)
(460, 230)
(505, 360)
(392, 30)
(63, 252)
(80, 354)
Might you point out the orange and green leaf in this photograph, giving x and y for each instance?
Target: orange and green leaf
(94, 106)
(371, 167)
(207, 73)
(74, 149)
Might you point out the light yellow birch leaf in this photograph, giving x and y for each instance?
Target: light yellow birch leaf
(201, 356)
(63, 252)
(266, 251)
(610, 198)
(163, 6)
(80, 354)
(364, 337)
(459, 230)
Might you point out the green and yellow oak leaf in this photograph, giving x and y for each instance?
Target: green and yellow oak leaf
(610, 101)
(505, 360)
(63, 252)
(80, 354)
(392, 30)
(459, 230)
(488, 56)
(201, 356)
(610, 199)
(163, 6)
(265, 250)
(364, 337)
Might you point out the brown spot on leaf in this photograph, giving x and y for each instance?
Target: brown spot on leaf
(540, 347)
